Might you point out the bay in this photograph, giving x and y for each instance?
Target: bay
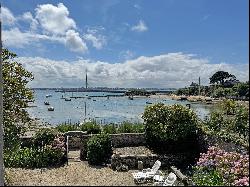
(102, 109)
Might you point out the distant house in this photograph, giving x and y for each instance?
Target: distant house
(230, 82)
(193, 84)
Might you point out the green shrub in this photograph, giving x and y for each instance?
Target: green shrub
(91, 128)
(228, 106)
(128, 127)
(45, 136)
(110, 128)
(99, 149)
(241, 121)
(34, 158)
(216, 121)
(67, 127)
(169, 124)
(208, 178)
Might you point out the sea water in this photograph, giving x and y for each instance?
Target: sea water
(102, 109)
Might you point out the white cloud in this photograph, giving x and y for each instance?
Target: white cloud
(74, 42)
(54, 19)
(168, 70)
(7, 16)
(27, 16)
(15, 38)
(140, 27)
(96, 42)
(126, 54)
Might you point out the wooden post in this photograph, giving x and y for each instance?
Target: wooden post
(1, 107)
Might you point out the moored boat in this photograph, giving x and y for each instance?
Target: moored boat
(46, 102)
(50, 108)
(49, 95)
(67, 99)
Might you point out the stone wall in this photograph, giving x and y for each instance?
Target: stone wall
(128, 139)
(180, 160)
(75, 139)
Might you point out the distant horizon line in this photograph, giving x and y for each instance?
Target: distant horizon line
(58, 88)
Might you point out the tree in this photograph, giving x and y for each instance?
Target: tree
(220, 76)
(242, 89)
(15, 98)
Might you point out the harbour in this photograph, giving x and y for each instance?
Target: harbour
(103, 107)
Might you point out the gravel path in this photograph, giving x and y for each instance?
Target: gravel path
(76, 173)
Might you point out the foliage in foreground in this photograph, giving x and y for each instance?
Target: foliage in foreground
(166, 125)
(230, 123)
(99, 149)
(218, 167)
(15, 100)
(67, 127)
(95, 128)
(50, 153)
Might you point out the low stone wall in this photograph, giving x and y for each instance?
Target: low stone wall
(75, 139)
(180, 160)
(128, 139)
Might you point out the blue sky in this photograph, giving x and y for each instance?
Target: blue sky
(148, 38)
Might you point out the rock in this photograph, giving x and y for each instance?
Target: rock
(124, 167)
(140, 165)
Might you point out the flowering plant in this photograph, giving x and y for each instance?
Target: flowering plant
(231, 167)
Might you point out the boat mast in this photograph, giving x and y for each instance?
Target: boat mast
(86, 82)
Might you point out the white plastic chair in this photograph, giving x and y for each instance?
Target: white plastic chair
(169, 181)
(145, 174)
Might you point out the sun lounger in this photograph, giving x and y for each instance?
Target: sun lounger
(145, 174)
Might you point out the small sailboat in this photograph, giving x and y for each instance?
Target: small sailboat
(46, 102)
(50, 108)
(49, 95)
(130, 98)
(67, 99)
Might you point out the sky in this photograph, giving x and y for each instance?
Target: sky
(127, 43)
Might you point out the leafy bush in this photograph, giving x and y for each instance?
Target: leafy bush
(44, 136)
(228, 106)
(241, 121)
(91, 128)
(34, 158)
(231, 168)
(207, 178)
(67, 127)
(216, 121)
(169, 124)
(110, 128)
(99, 149)
(128, 127)
(51, 154)
(233, 128)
